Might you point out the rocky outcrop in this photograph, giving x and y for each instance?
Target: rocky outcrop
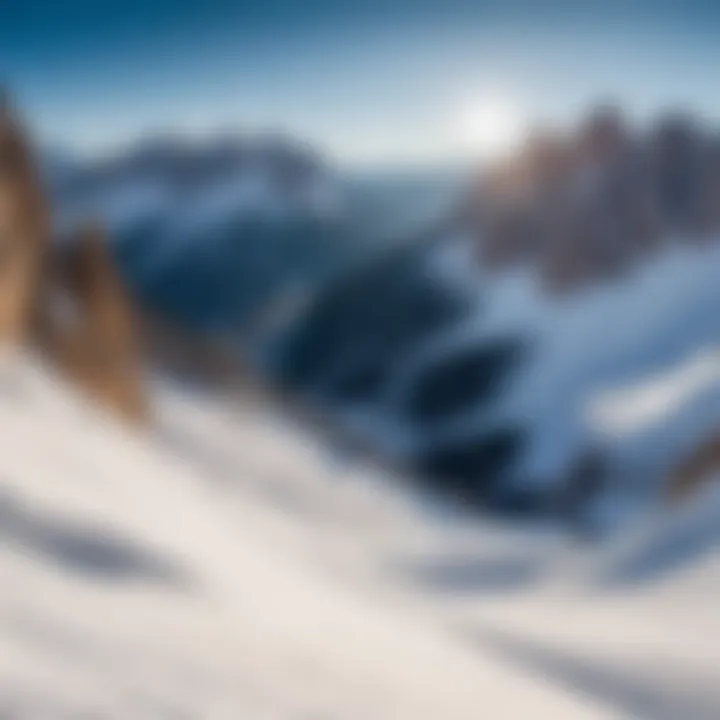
(359, 325)
(700, 468)
(469, 378)
(67, 300)
(85, 324)
(588, 206)
(23, 231)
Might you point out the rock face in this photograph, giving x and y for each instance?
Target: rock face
(66, 300)
(363, 321)
(468, 378)
(588, 206)
(700, 468)
(362, 347)
(86, 324)
(23, 231)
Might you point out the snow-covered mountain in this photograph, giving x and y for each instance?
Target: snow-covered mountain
(478, 354)
(215, 567)
(587, 205)
(615, 334)
(458, 368)
(205, 181)
(208, 231)
(218, 234)
(509, 386)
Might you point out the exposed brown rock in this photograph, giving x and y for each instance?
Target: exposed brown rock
(85, 324)
(700, 468)
(604, 134)
(69, 302)
(23, 231)
(592, 204)
(510, 238)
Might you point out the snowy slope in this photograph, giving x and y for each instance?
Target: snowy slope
(146, 579)
(582, 347)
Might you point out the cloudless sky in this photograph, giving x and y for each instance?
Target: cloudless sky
(373, 82)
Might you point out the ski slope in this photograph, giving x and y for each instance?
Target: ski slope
(219, 566)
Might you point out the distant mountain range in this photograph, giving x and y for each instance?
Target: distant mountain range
(462, 331)
(207, 232)
(587, 206)
(474, 355)
(216, 233)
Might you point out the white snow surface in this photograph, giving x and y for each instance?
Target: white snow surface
(254, 191)
(583, 347)
(218, 567)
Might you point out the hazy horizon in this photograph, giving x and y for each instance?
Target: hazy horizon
(373, 85)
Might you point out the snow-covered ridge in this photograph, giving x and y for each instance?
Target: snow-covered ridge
(616, 335)
(632, 409)
(143, 578)
(218, 567)
(589, 357)
(192, 186)
(587, 205)
(575, 352)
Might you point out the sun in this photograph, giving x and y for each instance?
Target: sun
(490, 127)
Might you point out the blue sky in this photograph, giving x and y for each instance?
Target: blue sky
(373, 82)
